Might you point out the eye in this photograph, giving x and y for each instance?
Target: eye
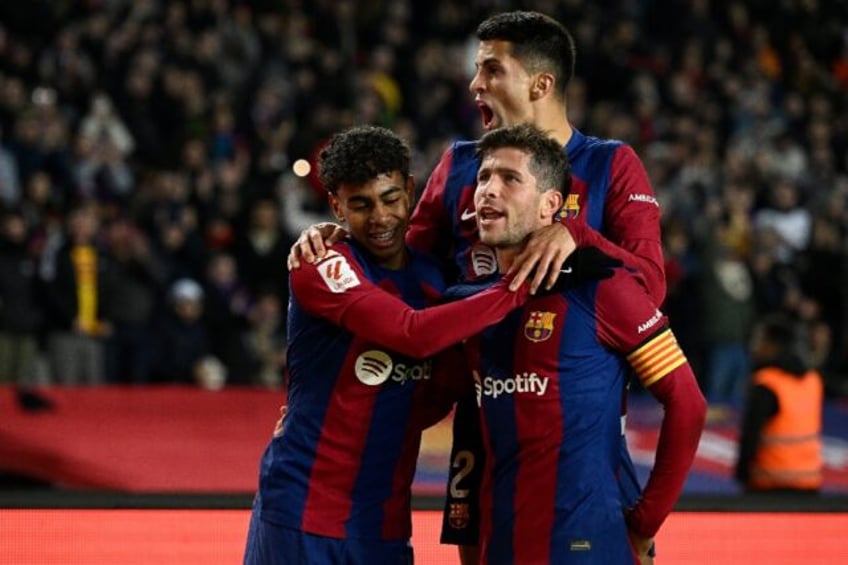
(493, 70)
(483, 176)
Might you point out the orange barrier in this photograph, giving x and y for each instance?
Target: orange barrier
(211, 537)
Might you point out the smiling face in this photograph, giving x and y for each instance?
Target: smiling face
(377, 215)
(501, 86)
(508, 201)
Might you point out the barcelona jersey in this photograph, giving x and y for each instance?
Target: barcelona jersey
(610, 193)
(549, 382)
(362, 387)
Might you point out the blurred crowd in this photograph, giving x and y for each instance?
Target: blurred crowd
(148, 150)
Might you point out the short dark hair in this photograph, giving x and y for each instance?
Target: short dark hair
(548, 161)
(538, 41)
(360, 154)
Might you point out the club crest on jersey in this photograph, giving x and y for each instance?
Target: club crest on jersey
(539, 326)
(570, 208)
(483, 260)
(459, 515)
(337, 273)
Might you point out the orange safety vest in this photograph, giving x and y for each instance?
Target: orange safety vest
(790, 450)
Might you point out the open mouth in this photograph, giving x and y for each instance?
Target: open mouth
(486, 114)
(487, 215)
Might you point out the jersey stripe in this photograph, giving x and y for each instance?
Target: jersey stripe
(502, 437)
(322, 509)
(537, 477)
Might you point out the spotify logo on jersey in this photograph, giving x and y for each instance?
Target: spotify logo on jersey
(375, 367)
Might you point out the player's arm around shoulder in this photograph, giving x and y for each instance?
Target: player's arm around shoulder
(324, 288)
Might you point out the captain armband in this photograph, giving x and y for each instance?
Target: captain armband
(657, 357)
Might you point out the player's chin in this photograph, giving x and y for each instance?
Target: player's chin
(384, 250)
(488, 236)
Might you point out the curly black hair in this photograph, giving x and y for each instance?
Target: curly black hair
(538, 41)
(360, 154)
(548, 161)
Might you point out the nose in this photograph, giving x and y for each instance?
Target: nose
(476, 84)
(487, 190)
(379, 213)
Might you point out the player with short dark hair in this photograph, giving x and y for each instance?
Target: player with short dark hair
(549, 380)
(524, 62)
(335, 481)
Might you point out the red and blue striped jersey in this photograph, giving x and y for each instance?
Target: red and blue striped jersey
(610, 193)
(362, 388)
(550, 379)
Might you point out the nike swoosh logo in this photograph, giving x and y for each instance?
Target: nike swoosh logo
(467, 214)
(566, 271)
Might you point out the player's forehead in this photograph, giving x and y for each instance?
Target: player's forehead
(382, 186)
(506, 158)
(495, 51)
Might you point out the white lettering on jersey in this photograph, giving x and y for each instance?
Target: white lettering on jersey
(522, 383)
(650, 323)
(338, 275)
(375, 367)
(403, 373)
(646, 198)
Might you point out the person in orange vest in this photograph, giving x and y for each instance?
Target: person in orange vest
(780, 445)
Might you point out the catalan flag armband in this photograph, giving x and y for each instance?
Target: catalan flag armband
(657, 357)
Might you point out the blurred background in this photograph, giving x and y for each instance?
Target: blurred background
(176, 141)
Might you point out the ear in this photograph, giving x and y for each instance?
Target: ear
(543, 84)
(410, 189)
(336, 207)
(550, 205)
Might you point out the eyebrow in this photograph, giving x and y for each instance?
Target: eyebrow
(501, 171)
(364, 199)
(488, 61)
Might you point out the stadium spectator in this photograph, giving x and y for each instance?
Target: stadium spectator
(182, 352)
(780, 447)
(80, 302)
(138, 281)
(226, 303)
(21, 315)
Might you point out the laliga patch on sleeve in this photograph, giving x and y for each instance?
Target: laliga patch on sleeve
(338, 275)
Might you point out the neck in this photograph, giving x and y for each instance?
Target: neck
(553, 118)
(395, 262)
(506, 256)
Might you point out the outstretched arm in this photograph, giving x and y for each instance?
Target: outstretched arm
(337, 290)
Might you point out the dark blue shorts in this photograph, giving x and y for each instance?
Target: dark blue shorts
(271, 544)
